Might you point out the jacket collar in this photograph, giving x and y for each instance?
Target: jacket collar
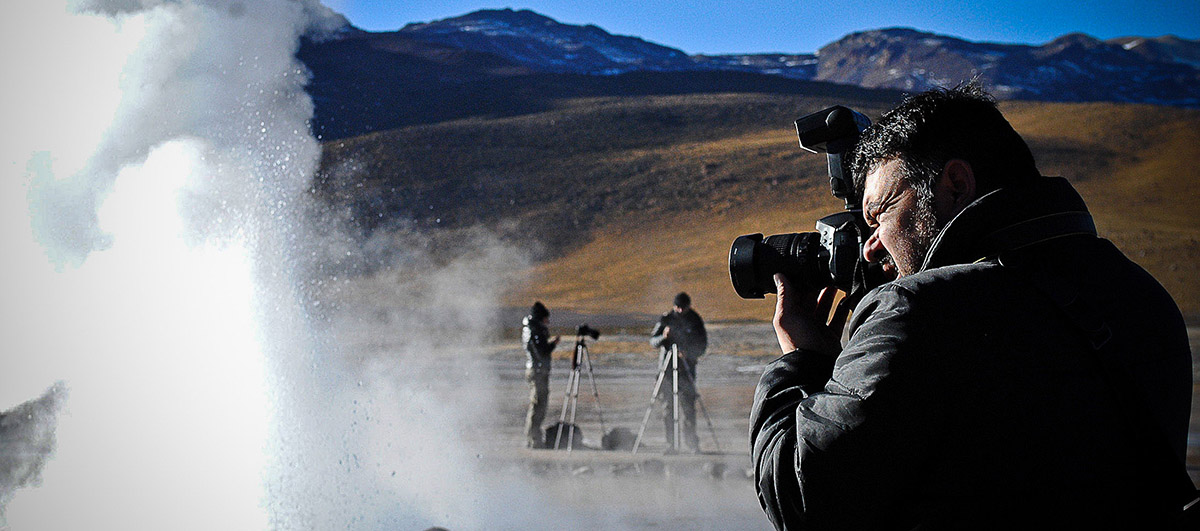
(1009, 219)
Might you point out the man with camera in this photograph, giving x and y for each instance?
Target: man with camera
(682, 328)
(1018, 372)
(535, 333)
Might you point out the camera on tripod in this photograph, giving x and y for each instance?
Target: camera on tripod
(585, 330)
(563, 434)
(832, 256)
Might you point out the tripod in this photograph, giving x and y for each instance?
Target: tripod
(571, 397)
(672, 361)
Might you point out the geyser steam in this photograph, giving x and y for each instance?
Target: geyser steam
(156, 155)
(156, 165)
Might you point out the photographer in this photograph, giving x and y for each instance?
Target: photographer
(682, 327)
(538, 346)
(976, 389)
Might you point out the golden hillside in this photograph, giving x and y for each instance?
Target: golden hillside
(1135, 166)
(623, 201)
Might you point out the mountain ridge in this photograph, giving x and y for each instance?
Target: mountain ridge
(537, 40)
(1072, 67)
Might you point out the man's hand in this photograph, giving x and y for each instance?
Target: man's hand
(800, 319)
(666, 331)
(554, 341)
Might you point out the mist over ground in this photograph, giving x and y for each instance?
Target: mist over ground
(165, 288)
(194, 343)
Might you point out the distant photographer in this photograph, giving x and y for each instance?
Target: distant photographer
(683, 328)
(1019, 372)
(535, 334)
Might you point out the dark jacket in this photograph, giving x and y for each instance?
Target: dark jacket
(968, 398)
(687, 331)
(538, 347)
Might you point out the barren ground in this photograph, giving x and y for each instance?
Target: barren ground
(712, 490)
(648, 490)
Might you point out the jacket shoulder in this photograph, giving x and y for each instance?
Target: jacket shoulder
(932, 282)
(933, 278)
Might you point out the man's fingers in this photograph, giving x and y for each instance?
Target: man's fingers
(790, 297)
(784, 314)
(782, 286)
(782, 292)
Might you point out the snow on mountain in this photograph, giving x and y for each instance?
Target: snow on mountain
(544, 43)
(1074, 67)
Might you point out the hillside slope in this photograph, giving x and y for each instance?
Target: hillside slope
(1133, 164)
(629, 200)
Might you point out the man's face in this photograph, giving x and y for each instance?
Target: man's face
(680, 309)
(905, 226)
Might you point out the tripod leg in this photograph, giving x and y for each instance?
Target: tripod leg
(675, 397)
(662, 373)
(562, 417)
(595, 390)
(574, 404)
(688, 373)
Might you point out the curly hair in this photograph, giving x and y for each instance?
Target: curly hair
(928, 129)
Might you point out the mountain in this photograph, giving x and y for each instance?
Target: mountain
(1165, 49)
(365, 82)
(1073, 67)
(543, 43)
(795, 66)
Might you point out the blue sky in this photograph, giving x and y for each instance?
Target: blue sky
(726, 26)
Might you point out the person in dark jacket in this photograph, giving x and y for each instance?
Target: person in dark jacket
(683, 328)
(973, 392)
(538, 346)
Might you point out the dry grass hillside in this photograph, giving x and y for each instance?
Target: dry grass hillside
(1133, 164)
(631, 199)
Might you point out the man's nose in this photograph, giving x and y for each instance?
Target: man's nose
(873, 250)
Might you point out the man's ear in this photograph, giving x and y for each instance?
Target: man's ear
(955, 188)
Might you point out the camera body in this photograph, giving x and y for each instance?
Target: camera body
(832, 256)
(584, 330)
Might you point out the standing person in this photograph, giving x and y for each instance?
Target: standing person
(683, 328)
(1018, 373)
(535, 333)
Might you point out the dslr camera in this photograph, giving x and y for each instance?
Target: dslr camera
(585, 330)
(831, 256)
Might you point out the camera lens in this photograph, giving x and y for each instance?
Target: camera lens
(741, 266)
(585, 330)
(754, 260)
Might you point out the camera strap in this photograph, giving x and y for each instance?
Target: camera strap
(1065, 293)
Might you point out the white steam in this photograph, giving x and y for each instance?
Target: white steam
(156, 162)
(160, 255)
(412, 334)
(154, 158)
